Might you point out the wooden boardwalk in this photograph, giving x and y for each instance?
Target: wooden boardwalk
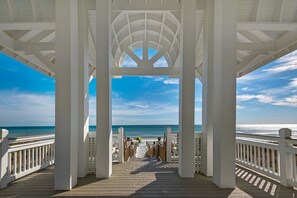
(147, 178)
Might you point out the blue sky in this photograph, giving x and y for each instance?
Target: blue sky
(267, 95)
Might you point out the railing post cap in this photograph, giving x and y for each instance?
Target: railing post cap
(285, 133)
(168, 129)
(3, 133)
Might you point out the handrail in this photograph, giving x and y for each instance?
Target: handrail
(30, 138)
(25, 155)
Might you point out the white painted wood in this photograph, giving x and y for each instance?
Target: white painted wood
(207, 89)
(145, 71)
(187, 90)
(83, 89)
(44, 25)
(168, 144)
(267, 26)
(66, 94)
(285, 165)
(121, 137)
(25, 160)
(224, 93)
(144, 5)
(103, 90)
(4, 160)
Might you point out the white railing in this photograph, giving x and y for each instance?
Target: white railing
(23, 156)
(117, 149)
(172, 148)
(272, 156)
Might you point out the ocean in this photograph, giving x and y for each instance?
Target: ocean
(154, 130)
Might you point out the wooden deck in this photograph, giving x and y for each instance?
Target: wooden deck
(147, 178)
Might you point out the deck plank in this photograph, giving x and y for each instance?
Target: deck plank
(147, 178)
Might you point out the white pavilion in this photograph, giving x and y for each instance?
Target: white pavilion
(216, 41)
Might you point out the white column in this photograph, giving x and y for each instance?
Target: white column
(207, 89)
(186, 161)
(224, 93)
(66, 94)
(103, 79)
(83, 89)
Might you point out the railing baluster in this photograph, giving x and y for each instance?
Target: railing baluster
(14, 163)
(263, 158)
(9, 163)
(20, 161)
(273, 161)
(29, 159)
(255, 156)
(259, 158)
(251, 154)
(45, 154)
(36, 156)
(42, 154)
(244, 156)
(25, 160)
(39, 148)
(33, 157)
(241, 152)
(268, 159)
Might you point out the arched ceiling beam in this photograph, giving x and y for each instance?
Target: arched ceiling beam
(157, 56)
(132, 55)
(166, 46)
(141, 22)
(141, 31)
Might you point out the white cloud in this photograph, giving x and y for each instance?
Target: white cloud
(293, 83)
(289, 102)
(171, 81)
(24, 109)
(282, 68)
(260, 98)
(239, 107)
(245, 89)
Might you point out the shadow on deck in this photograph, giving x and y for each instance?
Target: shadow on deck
(147, 178)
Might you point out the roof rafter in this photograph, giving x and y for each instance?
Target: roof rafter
(269, 26)
(23, 25)
(33, 47)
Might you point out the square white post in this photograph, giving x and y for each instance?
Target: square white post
(285, 159)
(186, 156)
(168, 144)
(83, 89)
(66, 94)
(207, 89)
(4, 158)
(224, 93)
(103, 79)
(121, 144)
